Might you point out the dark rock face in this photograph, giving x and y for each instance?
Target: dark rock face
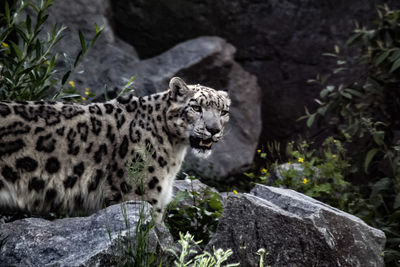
(80, 241)
(280, 42)
(295, 230)
(109, 51)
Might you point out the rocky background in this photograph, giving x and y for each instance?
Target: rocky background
(278, 41)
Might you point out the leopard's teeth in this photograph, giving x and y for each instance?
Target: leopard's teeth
(205, 143)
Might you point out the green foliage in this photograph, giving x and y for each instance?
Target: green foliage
(128, 86)
(379, 206)
(134, 250)
(199, 216)
(261, 252)
(323, 171)
(205, 259)
(367, 108)
(316, 173)
(27, 61)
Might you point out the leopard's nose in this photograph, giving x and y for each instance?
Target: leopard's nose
(213, 131)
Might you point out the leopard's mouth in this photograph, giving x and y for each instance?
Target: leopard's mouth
(202, 144)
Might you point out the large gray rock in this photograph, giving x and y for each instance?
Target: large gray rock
(280, 41)
(80, 15)
(79, 241)
(109, 51)
(189, 185)
(295, 230)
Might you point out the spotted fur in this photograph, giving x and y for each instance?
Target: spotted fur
(68, 158)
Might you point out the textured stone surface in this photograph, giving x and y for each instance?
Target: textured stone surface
(109, 51)
(189, 185)
(295, 230)
(79, 241)
(280, 41)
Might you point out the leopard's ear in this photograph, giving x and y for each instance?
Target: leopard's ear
(225, 95)
(179, 89)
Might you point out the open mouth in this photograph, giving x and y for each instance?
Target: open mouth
(199, 143)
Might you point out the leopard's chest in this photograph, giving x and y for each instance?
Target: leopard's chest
(165, 186)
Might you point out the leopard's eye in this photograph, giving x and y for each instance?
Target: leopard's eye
(196, 108)
(224, 112)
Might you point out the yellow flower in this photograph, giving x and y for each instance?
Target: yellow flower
(72, 83)
(258, 151)
(263, 170)
(84, 98)
(301, 160)
(47, 62)
(305, 181)
(86, 93)
(333, 156)
(234, 191)
(87, 89)
(3, 44)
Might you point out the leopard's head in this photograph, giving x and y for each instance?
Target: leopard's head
(197, 114)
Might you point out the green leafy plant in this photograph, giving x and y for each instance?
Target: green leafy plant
(27, 61)
(133, 250)
(205, 259)
(378, 204)
(316, 173)
(261, 252)
(199, 216)
(366, 108)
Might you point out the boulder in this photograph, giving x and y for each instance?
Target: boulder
(80, 15)
(281, 42)
(190, 185)
(294, 230)
(78, 241)
(109, 51)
